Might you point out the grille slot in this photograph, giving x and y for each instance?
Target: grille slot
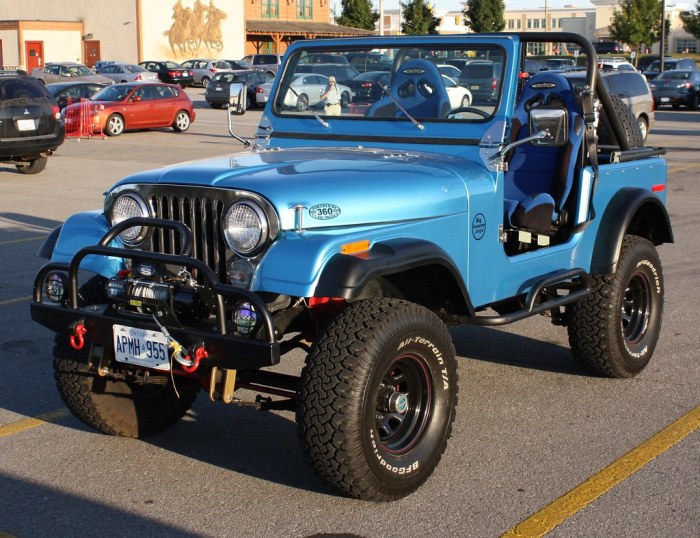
(202, 215)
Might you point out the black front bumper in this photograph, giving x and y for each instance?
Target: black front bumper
(225, 350)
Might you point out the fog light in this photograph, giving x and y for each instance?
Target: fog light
(240, 273)
(55, 286)
(245, 318)
(116, 286)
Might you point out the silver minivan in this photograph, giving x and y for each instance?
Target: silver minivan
(631, 87)
(269, 63)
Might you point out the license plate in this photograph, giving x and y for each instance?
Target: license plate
(141, 347)
(26, 125)
(218, 88)
(665, 99)
(474, 86)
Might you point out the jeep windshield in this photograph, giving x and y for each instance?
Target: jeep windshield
(412, 83)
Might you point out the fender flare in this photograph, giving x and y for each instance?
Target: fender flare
(49, 244)
(630, 210)
(346, 275)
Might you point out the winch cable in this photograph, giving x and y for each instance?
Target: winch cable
(182, 357)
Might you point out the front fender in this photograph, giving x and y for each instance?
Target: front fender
(82, 230)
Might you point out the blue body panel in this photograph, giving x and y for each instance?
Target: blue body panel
(433, 185)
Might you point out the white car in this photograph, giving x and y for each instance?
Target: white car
(449, 70)
(306, 90)
(459, 95)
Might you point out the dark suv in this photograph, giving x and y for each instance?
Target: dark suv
(31, 127)
(608, 47)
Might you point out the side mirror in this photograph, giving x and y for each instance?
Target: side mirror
(553, 121)
(237, 98)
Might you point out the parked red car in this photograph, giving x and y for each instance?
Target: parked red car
(138, 105)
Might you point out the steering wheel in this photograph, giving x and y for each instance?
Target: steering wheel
(469, 110)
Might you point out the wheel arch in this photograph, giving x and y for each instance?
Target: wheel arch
(631, 211)
(420, 270)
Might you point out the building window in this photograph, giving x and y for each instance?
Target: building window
(529, 24)
(270, 9)
(535, 49)
(305, 9)
(687, 46)
(520, 24)
(536, 23)
(511, 24)
(544, 23)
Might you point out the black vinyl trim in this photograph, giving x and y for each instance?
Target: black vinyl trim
(375, 138)
(346, 276)
(615, 223)
(47, 247)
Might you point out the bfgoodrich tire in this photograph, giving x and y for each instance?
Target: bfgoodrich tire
(377, 399)
(614, 330)
(117, 403)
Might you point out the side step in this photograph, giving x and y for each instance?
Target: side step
(577, 281)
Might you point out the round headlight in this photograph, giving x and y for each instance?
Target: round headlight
(245, 227)
(125, 207)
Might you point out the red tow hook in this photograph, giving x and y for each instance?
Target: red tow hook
(196, 354)
(76, 339)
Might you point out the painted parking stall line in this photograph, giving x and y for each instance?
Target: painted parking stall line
(33, 422)
(555, 513)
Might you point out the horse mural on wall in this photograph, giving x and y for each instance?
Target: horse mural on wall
(194, 26)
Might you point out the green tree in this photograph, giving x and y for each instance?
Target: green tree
(418, 18)
(357, 14)
(691, 20)
(637, 23)
(484, 15)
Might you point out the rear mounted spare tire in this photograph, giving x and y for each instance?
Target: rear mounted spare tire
(630, 125)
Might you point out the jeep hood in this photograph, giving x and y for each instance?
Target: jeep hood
(336, 186)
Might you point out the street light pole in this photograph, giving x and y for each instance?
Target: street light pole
(662, 42)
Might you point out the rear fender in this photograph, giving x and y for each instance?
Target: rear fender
(631, 211)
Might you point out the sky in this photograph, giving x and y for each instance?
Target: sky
(458, 5)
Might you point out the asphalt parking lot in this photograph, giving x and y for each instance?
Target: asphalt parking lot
(531, 425)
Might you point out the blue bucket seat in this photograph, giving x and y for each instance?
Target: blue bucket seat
(539, 178)
(418, 86)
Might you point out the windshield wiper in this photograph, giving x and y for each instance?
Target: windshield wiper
(306, 105)
(386, 92)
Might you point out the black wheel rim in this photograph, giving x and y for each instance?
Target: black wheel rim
(636, 309)
(404, 404)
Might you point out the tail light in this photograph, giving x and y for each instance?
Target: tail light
(212, 70)
(366, 84)
(174, 73)
(689, 85)
(494, 83)
(138, 77)
(56, 111)
(259, 89)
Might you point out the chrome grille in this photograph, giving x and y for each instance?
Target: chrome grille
(202, 214)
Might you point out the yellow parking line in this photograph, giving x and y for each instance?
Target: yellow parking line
(16, 300)
(25, 240)
(584, 494)
(29, 423)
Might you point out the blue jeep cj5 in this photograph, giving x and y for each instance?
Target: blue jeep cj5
(432, 200)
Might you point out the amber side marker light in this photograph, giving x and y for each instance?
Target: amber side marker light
(355, 248)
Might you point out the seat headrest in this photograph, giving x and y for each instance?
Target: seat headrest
(545, 89)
